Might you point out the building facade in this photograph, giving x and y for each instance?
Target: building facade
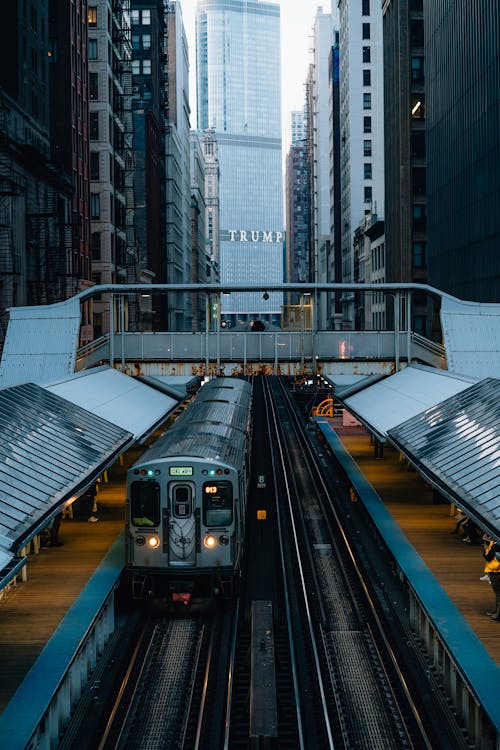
(111, 160)
(177, 155)
(462, 73)
(405, 152)
(239, 97)
(361, 126)
(38, 253)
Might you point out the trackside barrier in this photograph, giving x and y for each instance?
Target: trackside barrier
(42, 706)
(471, 678)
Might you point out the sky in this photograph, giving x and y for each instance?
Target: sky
(297, 19)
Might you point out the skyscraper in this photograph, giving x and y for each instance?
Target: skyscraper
(239, 97)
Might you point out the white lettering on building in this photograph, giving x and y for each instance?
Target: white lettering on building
(254, 235)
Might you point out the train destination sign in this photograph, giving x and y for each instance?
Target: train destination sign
(181, 471)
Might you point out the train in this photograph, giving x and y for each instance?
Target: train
(186, 501)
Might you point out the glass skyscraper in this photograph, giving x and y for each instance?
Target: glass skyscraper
(239, 97)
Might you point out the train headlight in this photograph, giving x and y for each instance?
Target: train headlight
(153, 542)
(210, 541)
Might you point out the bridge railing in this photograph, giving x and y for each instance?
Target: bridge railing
(270, 348)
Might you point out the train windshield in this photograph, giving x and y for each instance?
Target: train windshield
(217, 503)
(145, 503)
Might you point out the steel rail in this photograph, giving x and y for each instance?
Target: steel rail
(281, 450)
(312, 459)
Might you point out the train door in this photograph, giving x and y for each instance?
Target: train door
(182, 525)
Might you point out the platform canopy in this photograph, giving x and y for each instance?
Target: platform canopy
(456, 446)
(50, 451)
(393, 400)
(121, 399)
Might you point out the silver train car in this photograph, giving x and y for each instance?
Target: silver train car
(186, 500)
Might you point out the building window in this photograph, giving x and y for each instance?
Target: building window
(93, 86)
(95, 206)
(368, 193)
(418, 255)
(420, 325)
(146, 67)
(418, 107)
(367, 101)
(418, 180)
(96, 245)
(367, 54)
(367, 124)
(367, 170)
(366, 7)
(146, 41)
(367, 77)
(367, 148)
(417, 33)
(92, 16)
(94, 165)
(366, 31)
(418, 145)
(92, 49)
(419, 218)
(94, 126)
(146, 17)
(136, 67)
(417, 69)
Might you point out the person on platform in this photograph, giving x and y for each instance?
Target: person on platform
(54, 531)
(492, 568)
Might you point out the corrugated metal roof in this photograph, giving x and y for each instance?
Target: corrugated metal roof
(40, 343)
(402, 396)
(118, 398)
(48, 449)
(457, 444)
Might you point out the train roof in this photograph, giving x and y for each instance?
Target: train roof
(213, 426)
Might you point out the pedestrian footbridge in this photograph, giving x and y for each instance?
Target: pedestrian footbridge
(43, 342)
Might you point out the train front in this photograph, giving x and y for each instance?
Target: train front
(183, 530)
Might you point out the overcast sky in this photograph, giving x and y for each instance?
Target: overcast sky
(297, 18)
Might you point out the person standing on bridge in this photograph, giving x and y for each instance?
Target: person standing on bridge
(492, 567)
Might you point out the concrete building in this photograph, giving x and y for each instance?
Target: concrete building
(69, 136)
(111, 161)
(405, 153)
(362, 127)
(212, 203)
(462, 73)
(239, 97)
(177, 155)
(298, 215)
(149, 253)
(318, 109)
(200, 251)
(335, 262)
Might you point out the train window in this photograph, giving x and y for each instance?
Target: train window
(145, 503)
(217, 503)
(182, 495)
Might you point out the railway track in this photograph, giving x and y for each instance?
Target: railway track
(373, 684)
(312, 654)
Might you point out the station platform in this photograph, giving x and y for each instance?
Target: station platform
(31, 611)
(428, 524)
